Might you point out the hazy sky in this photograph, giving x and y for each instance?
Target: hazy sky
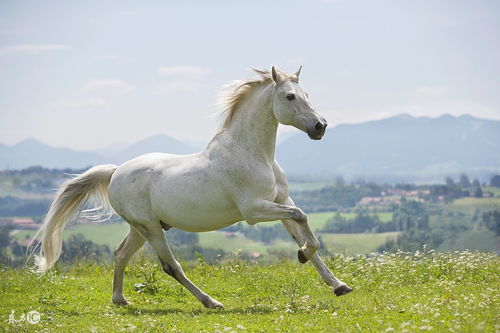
(88, 74)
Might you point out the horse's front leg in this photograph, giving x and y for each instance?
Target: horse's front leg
(339, 288)
(264, 210)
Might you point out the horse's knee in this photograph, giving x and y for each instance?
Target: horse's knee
(299, 216)
(315, 244)
(172, 269)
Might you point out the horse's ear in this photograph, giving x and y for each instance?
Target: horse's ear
(276, 76)
(297, 73)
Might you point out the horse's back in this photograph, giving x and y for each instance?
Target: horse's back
(183, 191)
(130, 185)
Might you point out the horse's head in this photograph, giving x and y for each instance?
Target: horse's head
(291, 105)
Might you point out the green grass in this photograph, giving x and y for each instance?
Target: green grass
(352, 244)
(318, 220)
(469, 205)
(218, 240)
(110, 234)
(492, 189)
(347, 244)
(408, 292)
(474, 240)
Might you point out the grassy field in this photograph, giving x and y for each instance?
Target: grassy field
(111, 234)
(469, 205)
(405, 292)
(494, 190)
(352, 244)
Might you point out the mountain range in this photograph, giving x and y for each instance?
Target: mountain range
(397, 148)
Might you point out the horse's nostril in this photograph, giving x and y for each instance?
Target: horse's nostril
(319, 126)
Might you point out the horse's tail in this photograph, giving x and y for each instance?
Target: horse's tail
(92, 187)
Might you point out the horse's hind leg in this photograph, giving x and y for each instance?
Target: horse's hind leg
(339, 288)
(170, 265)
(132, 242)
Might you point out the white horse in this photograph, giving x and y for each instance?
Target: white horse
(234, 178)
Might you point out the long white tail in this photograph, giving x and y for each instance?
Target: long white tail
(91, 186)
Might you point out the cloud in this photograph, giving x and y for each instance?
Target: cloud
(187, 72)
(108, 86)
(183, 79)
(177, 86)
(31, 48)
(431, 91)
(81, 103)
(119, 60)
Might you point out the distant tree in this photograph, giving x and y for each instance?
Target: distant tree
(476, 183)
(362, 222)
(77, 247)
(450, 182)
(4, 237)
(4, 242)
(450, 191)
(334, 224)
(18, 249)
(478, 193)
(13, 206)
(411, 214)
(178, 237)
(495, 181)
(491, 220)
(266, 234)
(464, 181)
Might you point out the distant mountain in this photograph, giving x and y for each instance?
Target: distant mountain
(401, 147)
(32, 152)
(158, 143)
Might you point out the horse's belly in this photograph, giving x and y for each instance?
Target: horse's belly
(200, 220)
(194, 205)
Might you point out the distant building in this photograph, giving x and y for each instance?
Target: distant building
(370, 200)
(20, 223)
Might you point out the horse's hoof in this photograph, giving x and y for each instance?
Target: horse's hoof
(121, 302)
(342, 290)
(216, 305)
(212, 304)
(302, 257)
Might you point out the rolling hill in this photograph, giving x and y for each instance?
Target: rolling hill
(31, 152)
(401, 148)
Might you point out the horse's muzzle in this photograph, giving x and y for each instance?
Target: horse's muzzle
(317, 131)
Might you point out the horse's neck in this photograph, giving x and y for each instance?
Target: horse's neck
(254, 126)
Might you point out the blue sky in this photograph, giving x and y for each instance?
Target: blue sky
(88, 74)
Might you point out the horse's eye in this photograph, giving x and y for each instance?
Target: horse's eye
(290, 97)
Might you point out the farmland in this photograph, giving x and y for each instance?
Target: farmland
(111, 234)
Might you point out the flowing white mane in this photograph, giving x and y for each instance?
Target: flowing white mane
(235, 92)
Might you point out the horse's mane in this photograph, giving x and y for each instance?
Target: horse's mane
(235, 92)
